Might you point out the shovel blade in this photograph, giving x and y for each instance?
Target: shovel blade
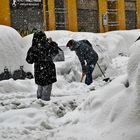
(107, 79)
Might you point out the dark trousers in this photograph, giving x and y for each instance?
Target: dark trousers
(44, 92)
(89, 78)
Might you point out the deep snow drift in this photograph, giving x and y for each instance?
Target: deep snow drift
(74, 112)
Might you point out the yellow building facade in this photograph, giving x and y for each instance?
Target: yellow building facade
(5, 12)
(111, 14)
(119, 9)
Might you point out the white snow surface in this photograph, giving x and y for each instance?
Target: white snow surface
(11, 49)
(75, 112)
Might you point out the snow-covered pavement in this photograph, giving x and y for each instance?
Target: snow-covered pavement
(24, 117)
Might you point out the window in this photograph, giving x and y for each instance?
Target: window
(60, 14)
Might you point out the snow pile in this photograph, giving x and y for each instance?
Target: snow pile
(118, 42)
(105, 114)
(107, 45)
(74, 112)
(114, 42)
(133, 62)
(11, 49)
(23, 117)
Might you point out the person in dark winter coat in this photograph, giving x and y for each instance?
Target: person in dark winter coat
(41, 54)
(87, 56)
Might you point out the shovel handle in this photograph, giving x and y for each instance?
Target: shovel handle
(82, 77)
(101, 70)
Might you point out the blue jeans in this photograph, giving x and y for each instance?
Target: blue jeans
(89, 78)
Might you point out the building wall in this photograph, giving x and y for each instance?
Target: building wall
(5, 12)
(138, 13)
(87, 11)
(130, 14)
(72, 15)
(112, 10)
(103, 16)
(80, 15)
(27, 18)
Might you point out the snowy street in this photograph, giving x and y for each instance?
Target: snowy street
(22, 114)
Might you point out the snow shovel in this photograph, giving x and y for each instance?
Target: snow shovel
(105, 78)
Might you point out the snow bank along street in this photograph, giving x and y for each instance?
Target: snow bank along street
(75, 112)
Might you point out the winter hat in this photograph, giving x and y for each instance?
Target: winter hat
(39, 37)
(71, 43)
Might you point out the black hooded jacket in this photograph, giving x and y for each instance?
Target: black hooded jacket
(85, 53)
(41, 54)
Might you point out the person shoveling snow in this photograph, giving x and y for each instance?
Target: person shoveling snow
(85, 52)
